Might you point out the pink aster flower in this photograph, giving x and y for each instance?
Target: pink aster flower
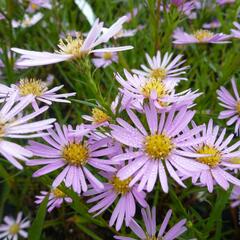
(185, 7)
(27, 21)
(36, 4)
(213, 24)
(74, 48)
(236, 32)
(36, 88)
(55, 198)
(156, 149)
(149, 218)
(232, 105)
(104, 59)
(218, 158)
(13, 127)
(161, 92)
(164, 68)
(199, 36)
(223, 2)
(235, 197)
(12, 229)
(74, 154)
(118, 191)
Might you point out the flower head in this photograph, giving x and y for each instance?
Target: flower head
(199, 36)
(27, 21)
(12, 126)
(36, 4)
(156, 149)
(236, 32)
(232, 105)
(74, 154)
(213, 24)
(37, 88)
(116, 190)
(223, 2)
(12, 228)
(220, 159)
(74, 48)
(104, 59)
(149, 218)
(55, 198)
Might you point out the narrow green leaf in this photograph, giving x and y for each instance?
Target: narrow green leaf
(37, 225)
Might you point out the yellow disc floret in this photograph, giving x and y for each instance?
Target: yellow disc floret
(107, 55)
(32, 86)
(152, 238)
(71, 45)
(238, 107)
(212, 160)
(58, 193)
(2, 129)
(75, 154)
(121, 186)
(99, 116)
(158, 74)
(158, 146)
(202, 35)
(14, 229)
(153, 85)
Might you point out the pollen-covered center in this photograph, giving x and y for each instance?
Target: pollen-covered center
(14, 229)
(238, 107)
(71, 45)
(107, 55)
(158, 146)
(75, 154)
(154, 85)
(58, 193)
(99, 116)
(151, 237)
(121, 186)
(2, 129)
(32, 86)
(202, 35)
(212, 160)
(158, 73)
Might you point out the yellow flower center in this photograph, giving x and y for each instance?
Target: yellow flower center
(107, 55)
(99, 116)
(212, 160)
(238, 107)
(75, 154)
(71, 45)
(158, 146)
(121, 186)
(202, 35)
(58, 193)
(14, 229)
(152, 238)
(34, 6)
(32, 86)
(2, 129)
(156, 85)
(158, 74)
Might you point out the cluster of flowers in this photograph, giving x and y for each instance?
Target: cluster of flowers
(116, 159)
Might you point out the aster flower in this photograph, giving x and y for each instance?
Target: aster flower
(223, 2)
(98, 118)
(74, 153)
(236, 32)
(199, 36)
(12, 229)
(162, 93)
(74, 48)
(149, 218)
(156, 150)
(38, 89)
(219, 158)
(163, 68)
(213, 24)
(232, 105)
(235, 197)
(55, 198)
(116, 190)
(27, 21)
(12, 127)
(36, 4)
(104, 59)
(185, 7)
(132, 14)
